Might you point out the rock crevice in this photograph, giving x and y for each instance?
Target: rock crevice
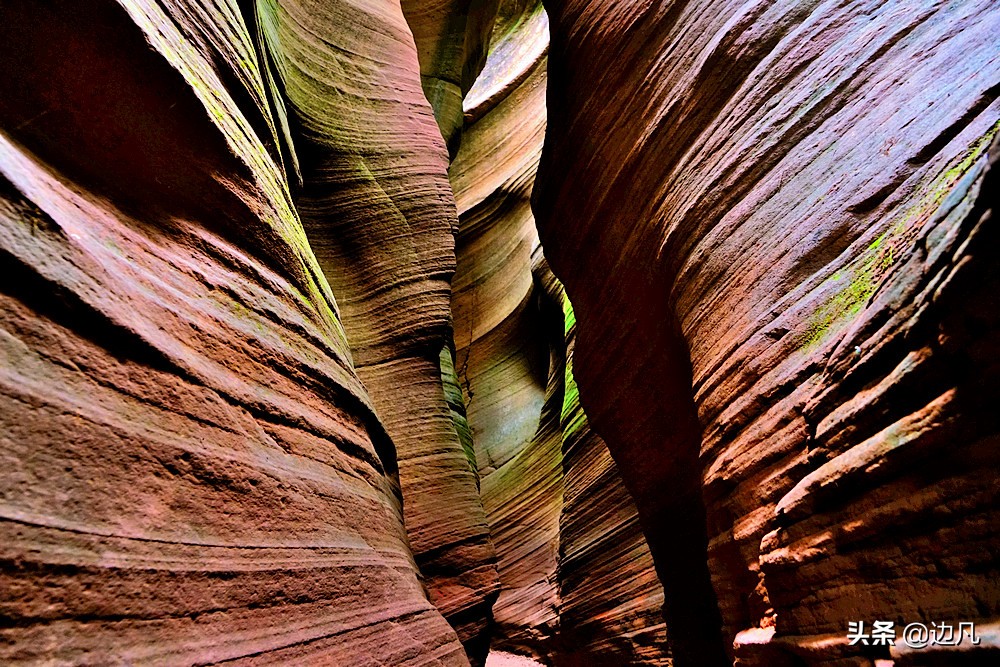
(387, 332)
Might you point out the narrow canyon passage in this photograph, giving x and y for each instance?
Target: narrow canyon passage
(581, 333)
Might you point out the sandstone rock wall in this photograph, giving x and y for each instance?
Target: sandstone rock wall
(502, 337)
(286, 377)
(611, 599)
(769, 217)
(452, 38)
(194, 472)
(157, 169)
(380, 216)
(577, 582)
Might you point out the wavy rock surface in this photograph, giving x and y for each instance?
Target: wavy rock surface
(577, 583)
(611, 609)
(259, 405)
(194, 471)
(787, 321)
(380, 216)
(452, 38)
(502, 342)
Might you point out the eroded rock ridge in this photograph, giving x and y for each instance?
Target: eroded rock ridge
(609, 333)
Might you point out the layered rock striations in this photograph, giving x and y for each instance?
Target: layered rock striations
(194, 472)
(286, 377)
(502, 351)
(577, 583)
(502, 336)
(452, 38)
(772, 220)
(380, 216)
(611, 601)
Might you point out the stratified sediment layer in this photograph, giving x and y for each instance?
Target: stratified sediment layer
(286, 377)
(577, 581)
(503, 351)
(769, 217)
(193, 471)
(452, 38)
(380, 216)
(611, 602)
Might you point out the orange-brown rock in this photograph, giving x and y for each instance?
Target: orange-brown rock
(610, 597)
(285, 377)
(770, 220)
(193, 471)
(380, 216)
(502, 341)
(452, 38)
(577, 582)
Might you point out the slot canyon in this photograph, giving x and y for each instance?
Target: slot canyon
(578, 333)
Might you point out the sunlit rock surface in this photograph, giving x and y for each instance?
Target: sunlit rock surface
(380, 216)
(770, 220)
(452, 38)
(502, 659)
(286, 377)
(577, 583)
(502, 340)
